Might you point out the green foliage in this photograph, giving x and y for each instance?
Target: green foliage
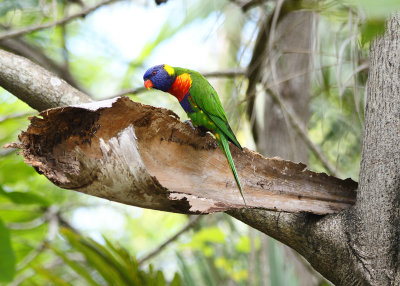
(7, 261)
(202, 239)
(244, 245)
(24, 198)
(107, 263)
(75, 266)
(371, 29)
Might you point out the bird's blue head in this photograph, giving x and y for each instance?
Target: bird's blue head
(160, 77)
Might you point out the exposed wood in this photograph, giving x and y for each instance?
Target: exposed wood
(145, 156)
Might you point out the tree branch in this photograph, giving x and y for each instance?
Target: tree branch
(112, 147)
(129, 91)
(372, 226)
(192, 222)
(27, 30)
(34, 85)
(30, 51)
(224, 73)
(247, 5)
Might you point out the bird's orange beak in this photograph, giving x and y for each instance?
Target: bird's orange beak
(148, 84)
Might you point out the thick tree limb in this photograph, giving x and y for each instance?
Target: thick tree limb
(145, 156)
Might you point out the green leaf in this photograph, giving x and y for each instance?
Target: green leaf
(205, 268)
(240, 275)
(371, 29)
(78, 268)
(243, 245)
(55, 280)
(113, 263)
(176, 281)
(24, 198)
(7, 256)
(107, 268)
(210, 234)
(159, 279)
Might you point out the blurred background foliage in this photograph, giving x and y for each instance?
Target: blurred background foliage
(50, 236)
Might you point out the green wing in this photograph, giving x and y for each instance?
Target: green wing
(206, 98)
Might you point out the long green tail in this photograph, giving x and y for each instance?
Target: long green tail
(224, 145)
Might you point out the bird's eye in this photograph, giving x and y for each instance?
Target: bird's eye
(154, 73)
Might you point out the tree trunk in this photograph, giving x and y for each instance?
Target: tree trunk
(373, 225)
(289, 59)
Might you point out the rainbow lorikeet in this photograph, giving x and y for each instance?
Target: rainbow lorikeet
(201, 103)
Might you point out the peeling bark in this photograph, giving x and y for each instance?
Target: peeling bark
(145, 156)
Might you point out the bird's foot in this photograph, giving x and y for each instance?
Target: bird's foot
(189, 122)
(200, 130)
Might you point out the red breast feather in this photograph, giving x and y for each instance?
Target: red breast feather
(181, 86)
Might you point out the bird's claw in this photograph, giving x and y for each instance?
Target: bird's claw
(200, 130)
(189, 122)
